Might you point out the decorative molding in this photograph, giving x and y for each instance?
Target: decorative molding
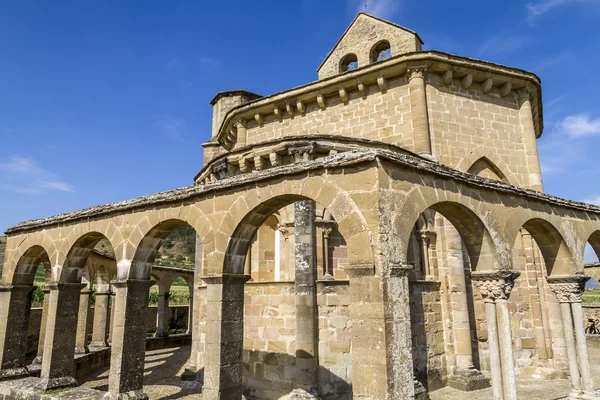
(568, 288)
(415, 72)
(495, 285)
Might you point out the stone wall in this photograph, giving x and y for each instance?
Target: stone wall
(378, 116)
(464, 121)
(269, 360)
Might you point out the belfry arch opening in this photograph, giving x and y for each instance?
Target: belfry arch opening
(380, 52)
(348, 63)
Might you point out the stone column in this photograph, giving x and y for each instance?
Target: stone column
(113, 297)
(163, 315)
(224, 336)
(401, 383)
(530, 140)
(101, 322)
(415, 77)
(465, 377)
(191, 311)
(81, 346)
(42, 334)
(128, 339)
(58, 364)
(241, 132)
(306, 302)
(15, 308)
(495, 287)
(568, 290)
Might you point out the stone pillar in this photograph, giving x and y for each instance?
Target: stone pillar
(306, 301)
(101, 322)
(42, 334)
(58, 365)
(465, 376)
(509, 379)
(113, 297)
(128, 339)
(224, 336)
(401, 383)
(81, 340)
(530, 140)
(568, 290)
(241, 132)
(163, 315)
(15, 307)
(191, 311)
(495, 287)
(415, 77)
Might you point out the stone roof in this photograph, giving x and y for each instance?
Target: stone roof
(406, 159)
(236, 92)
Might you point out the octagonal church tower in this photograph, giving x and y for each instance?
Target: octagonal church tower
(377, 86)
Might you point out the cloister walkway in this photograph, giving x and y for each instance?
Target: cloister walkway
(164, 367)
(162, 376)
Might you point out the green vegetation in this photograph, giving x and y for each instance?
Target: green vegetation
(178, 249)
(591, 296)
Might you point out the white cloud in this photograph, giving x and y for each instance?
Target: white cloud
(503, 44)
(543, 6)
(580, 125)
(592, 200)
(379, 8)
(170, 126)
(23, 175)
(554, 101)
(208, 61)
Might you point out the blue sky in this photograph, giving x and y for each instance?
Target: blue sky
(106, 101)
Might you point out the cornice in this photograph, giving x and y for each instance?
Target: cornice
(436, 63)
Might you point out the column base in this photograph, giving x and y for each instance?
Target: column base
(99, 345)
(301, 394)
(13, 373)
(420, 391)
(468, 380)
(81, 350)
(189, 374)
(55, 383)
(133, 395)
(37, 361)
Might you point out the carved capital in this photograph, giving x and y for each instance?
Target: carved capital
(495, 285)
(415, 72)
(524, 94)
(302, 153)
(221, 170)
(427, 237)
(568, 288)
(240, 124)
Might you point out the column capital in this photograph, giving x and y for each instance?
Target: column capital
(495, 285)
(225, 278)
(524, 94)
(568, 288)
(132, 282)
(17, 288)
(415, 72)
(240, 123)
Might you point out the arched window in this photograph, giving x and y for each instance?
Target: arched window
(349, 63)
(381, 51)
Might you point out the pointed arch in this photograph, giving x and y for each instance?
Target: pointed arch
(482, 157)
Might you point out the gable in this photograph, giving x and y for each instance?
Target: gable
(365, 35)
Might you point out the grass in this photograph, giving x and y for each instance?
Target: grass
(591, 297)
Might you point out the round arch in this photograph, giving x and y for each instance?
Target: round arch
(380, 51)
(73, 266)
(475, 235)
(27, 265)
(557, 255)
(350, 226)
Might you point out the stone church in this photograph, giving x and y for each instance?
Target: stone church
(379, 233)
